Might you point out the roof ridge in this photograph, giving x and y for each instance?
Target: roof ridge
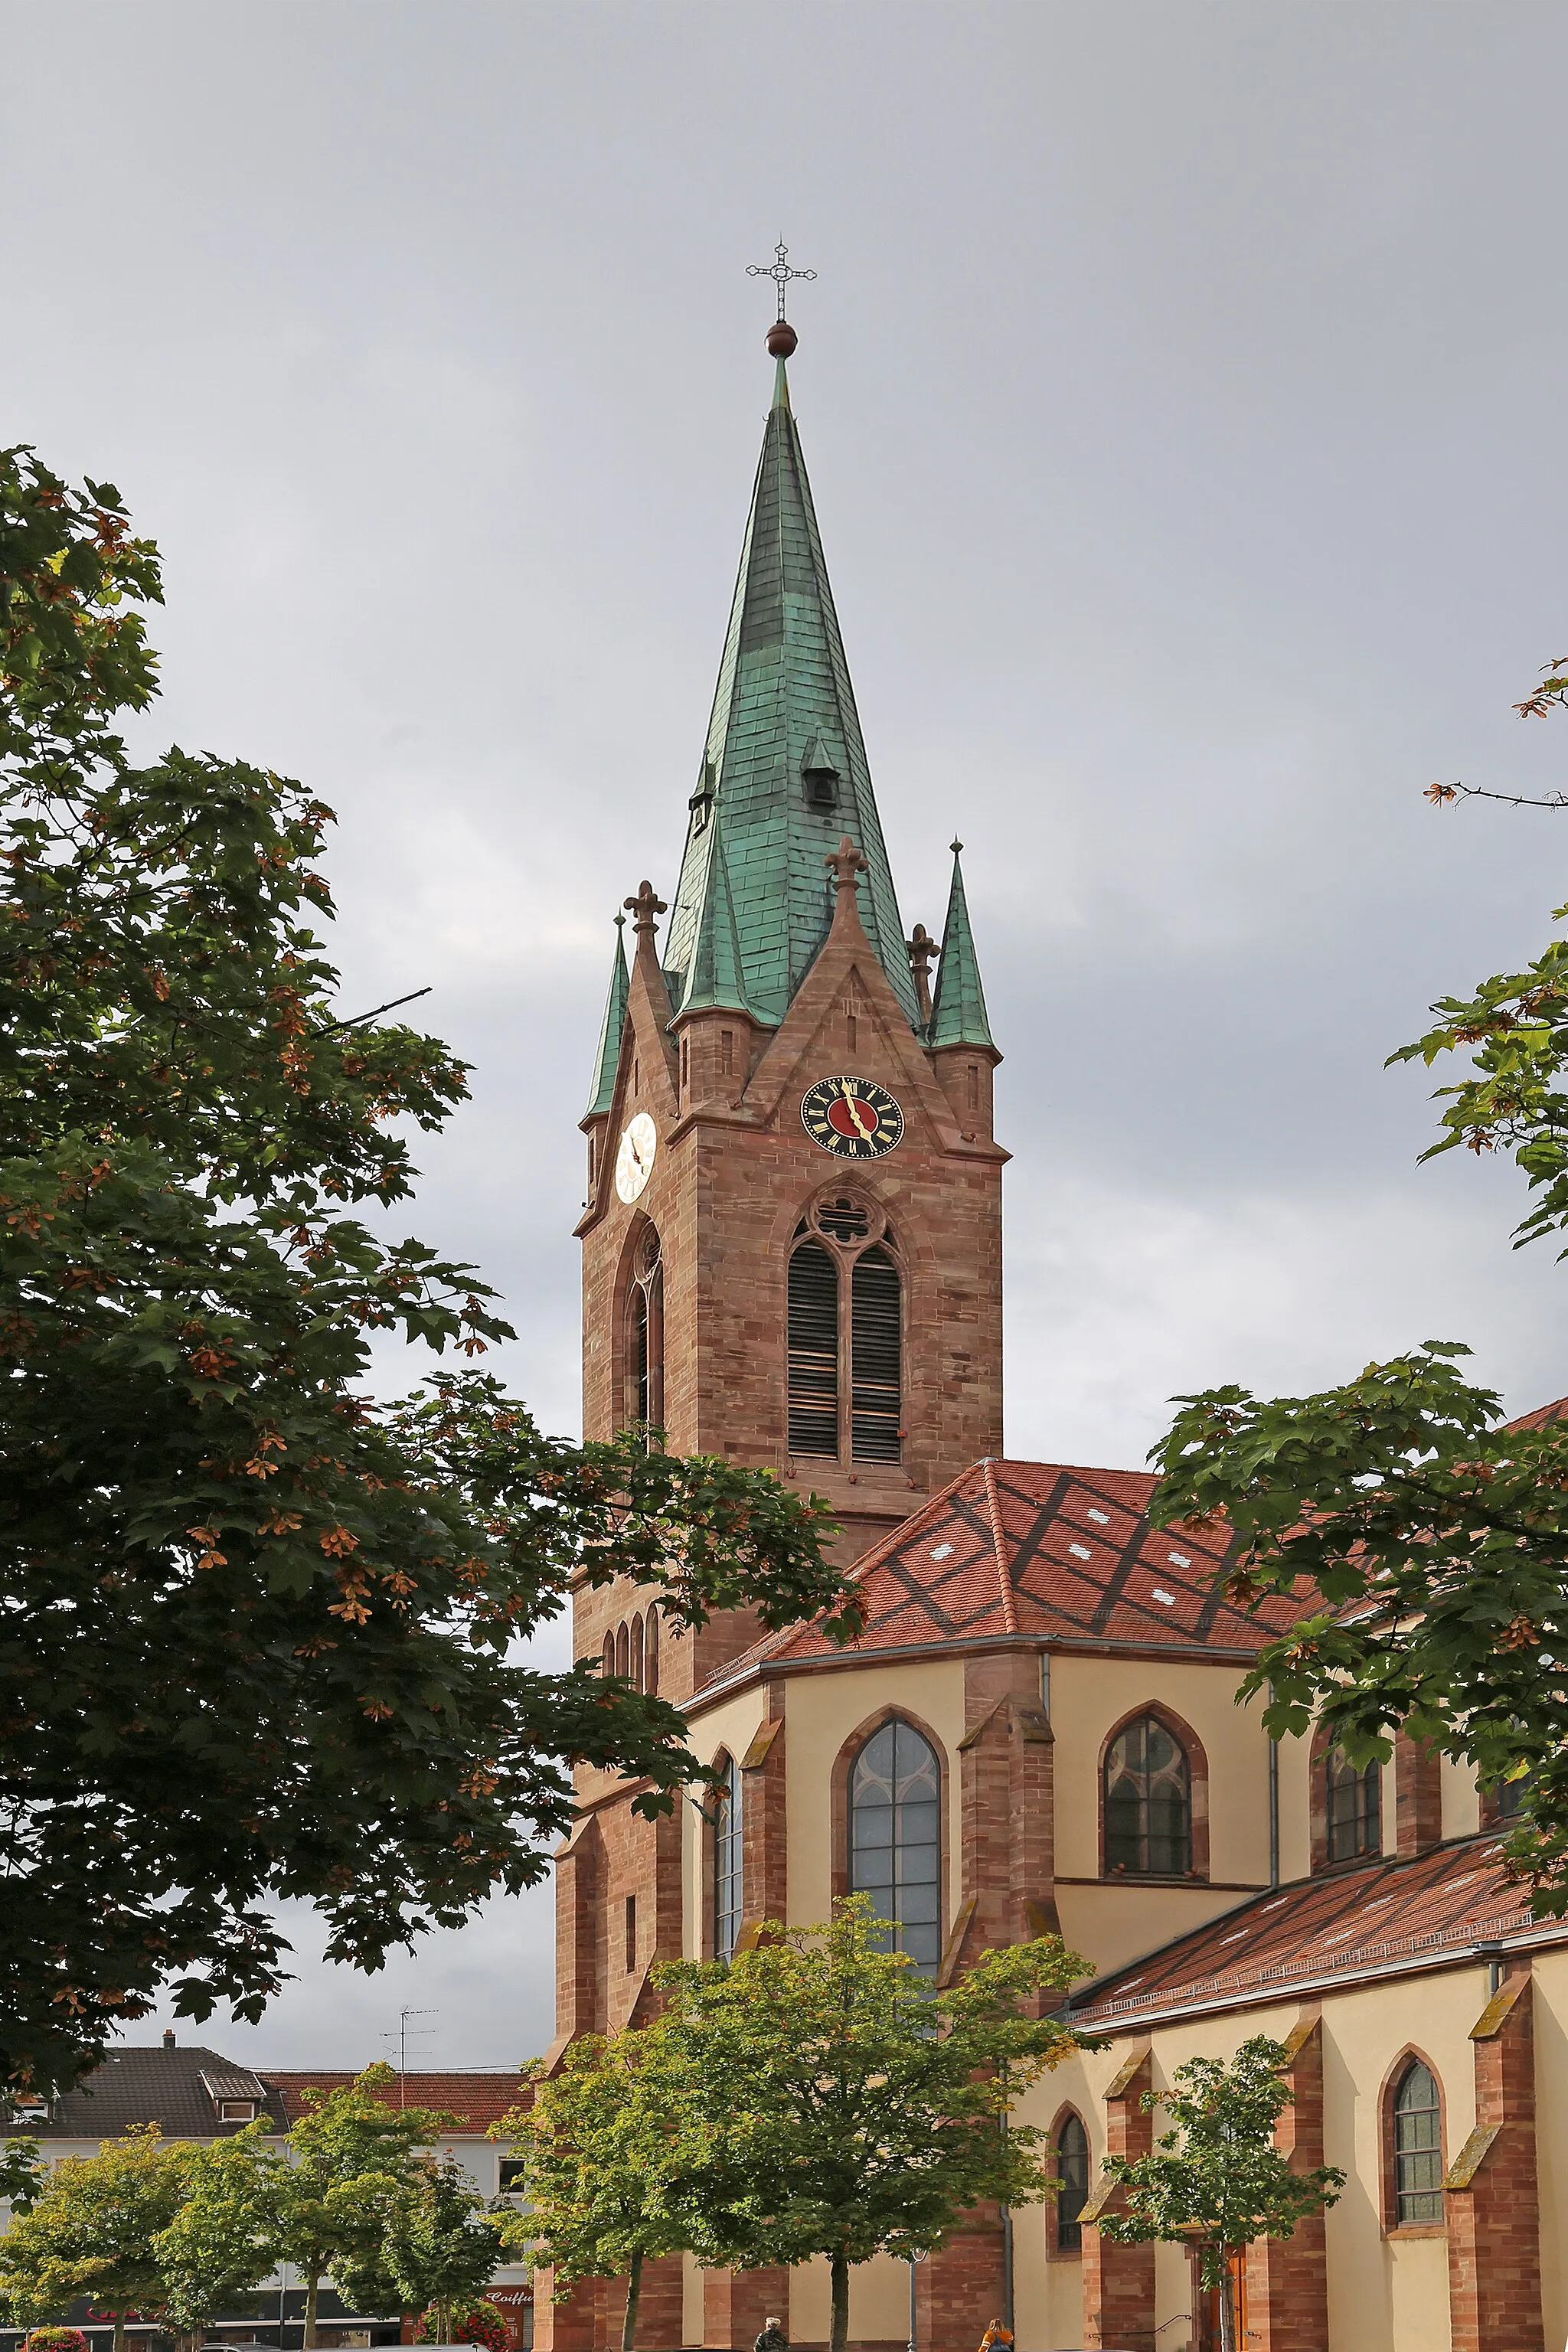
(999, 1546)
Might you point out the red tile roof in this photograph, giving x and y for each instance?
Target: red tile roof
(1381, 1916)
(1048, 1553)
(479, 2100)
(1543, 1416)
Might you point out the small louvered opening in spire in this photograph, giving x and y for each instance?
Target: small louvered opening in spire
(875, 1348)
(813, 1350)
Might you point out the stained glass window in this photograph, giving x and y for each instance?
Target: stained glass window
(1148, 1803)
(895, 1838)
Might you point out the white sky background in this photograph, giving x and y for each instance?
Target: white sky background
(1182, 390)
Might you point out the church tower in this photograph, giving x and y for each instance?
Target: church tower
(792, 1246)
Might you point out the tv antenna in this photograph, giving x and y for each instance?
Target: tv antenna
(421, 2033)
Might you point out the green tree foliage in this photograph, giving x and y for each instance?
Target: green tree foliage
(222, 2241)
(1216, 2179)
(440, 2246)
(22, 2173)
(1435, 1538)
(94, 2230)
(607, 2144)
(823, 2099)
(349, 2156)
(258, 1629)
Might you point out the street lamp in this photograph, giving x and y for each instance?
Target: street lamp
(915, 2255)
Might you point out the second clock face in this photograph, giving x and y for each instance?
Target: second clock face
(854, 1118)
(633, 1161)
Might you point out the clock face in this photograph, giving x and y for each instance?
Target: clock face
(854, 1118)
(633, 1161)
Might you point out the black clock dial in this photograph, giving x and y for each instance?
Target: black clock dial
(854, 1118)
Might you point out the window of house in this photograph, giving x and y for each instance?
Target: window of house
(846, 1335)
(1507, 1797)
(1148, 1803)
(1417, 2147)
(685, 1062)
(728, 1874)
(895, 1838)
(1072, 2170)
(975, 1086)
(513, 2176)
(1352, 1807)
(645, 1334)
(237, 2110)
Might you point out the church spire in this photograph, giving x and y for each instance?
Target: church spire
(958, 1008)
(609, 1053)
(784, 762)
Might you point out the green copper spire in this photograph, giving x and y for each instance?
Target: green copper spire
(716, 978)
(784, 760)
(609, 1053)
(958, 1008)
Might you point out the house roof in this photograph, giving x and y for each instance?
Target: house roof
(1047, 1552)
(478, 2099)
(177, 2089)
(1378, 1917)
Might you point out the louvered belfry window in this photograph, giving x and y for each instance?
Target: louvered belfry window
(846, 1335)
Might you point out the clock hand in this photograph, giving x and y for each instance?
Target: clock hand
(853, 1100)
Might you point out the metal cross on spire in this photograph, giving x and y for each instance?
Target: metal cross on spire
(779, 270)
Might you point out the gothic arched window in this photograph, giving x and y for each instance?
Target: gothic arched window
(1072, 2170)
(651, 1654)
(634, 1663)
(846, 1335)
(623, 1652)
(727, 1873)
(609, 1658)
(1148, 1802)
(895, 1838)
(1417, 2147)
(645, 1334)
(1352, 1807)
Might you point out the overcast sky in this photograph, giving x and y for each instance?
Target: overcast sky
(1181, 389)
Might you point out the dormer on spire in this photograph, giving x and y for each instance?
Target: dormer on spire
(958, 1008)
(615, 1021)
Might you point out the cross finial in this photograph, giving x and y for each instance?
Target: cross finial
(779, 270)
(847, 863)
(644, 908)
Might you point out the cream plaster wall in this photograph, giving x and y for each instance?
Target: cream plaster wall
(1090, 1695)
(1551, 2136)
(1295, 1809)
(1462, 1800)
(821, 1712)
(1114, 1925)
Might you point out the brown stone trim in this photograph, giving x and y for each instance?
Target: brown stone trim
(764, 1825)
(1493, 2206)
(838, 1793)
(1209, 1885)
(1198, 1781)
(1417, 1797)
(1388, 2206)
(1118, 2281)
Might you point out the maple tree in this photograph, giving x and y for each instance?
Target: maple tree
(258, 1630)
(1215, 2181)
(93, 2230)
(813, 2095)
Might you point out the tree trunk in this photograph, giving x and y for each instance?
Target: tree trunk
(312, 2282)
(1227, 2303)
(120, 2332)
(634, 2296)
(839, 2334)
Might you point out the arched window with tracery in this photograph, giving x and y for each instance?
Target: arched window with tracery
(1352, 1807)
(1417, 2147)
(1148, 1802)
(895, 1838)
(1071, 2167)
(645, 1333)
(729, 1876)
(846, 1315)
(622, 1651)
